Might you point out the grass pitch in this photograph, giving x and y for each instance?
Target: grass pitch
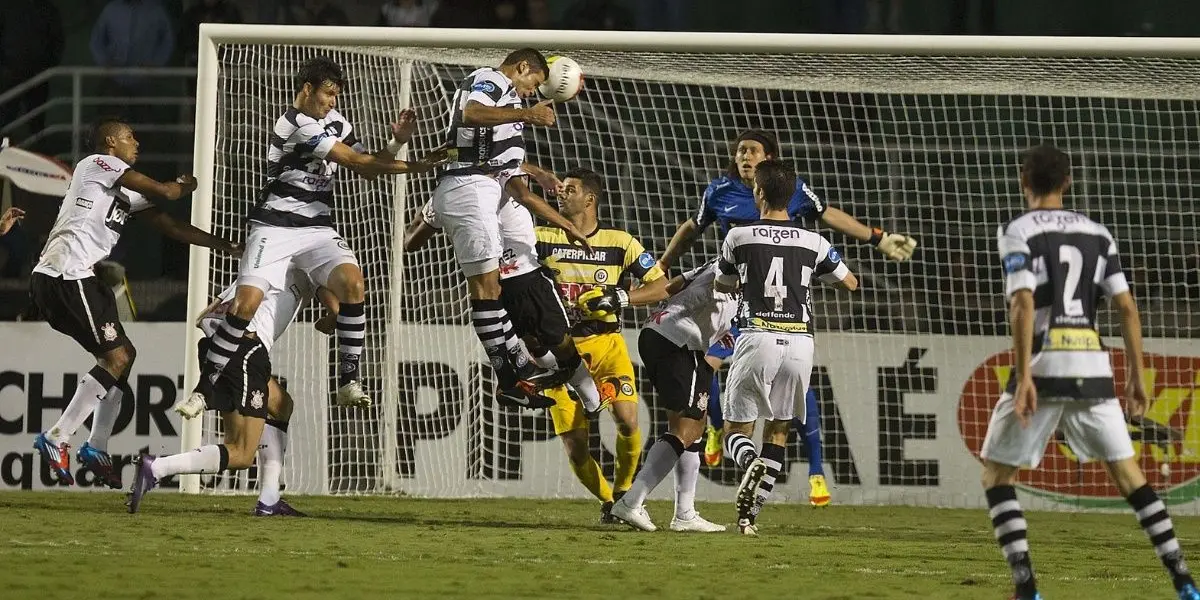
(67, 545)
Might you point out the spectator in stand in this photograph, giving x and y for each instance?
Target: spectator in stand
(203, 11)
(31, 41)
(132, 33)
(317, 12)
(598, 14)
(407, 13)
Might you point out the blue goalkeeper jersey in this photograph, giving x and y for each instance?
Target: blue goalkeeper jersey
(729, 203)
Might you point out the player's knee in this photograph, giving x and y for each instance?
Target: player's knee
(1126, 475)
(241, 455)
(575, 442)
(485, 286)
(245, 302)
(995, 474)
(119, 360)
(353, 291)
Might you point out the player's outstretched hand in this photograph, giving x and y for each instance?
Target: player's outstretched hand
(404, 127)
(1025, 400)
(577, 237)
(188, 182)
(11, 217)
(541, 114)
(439, 156)
(1135, 398)
(896, 246)
(598, 303)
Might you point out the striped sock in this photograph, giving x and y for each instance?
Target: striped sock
(772, 457)
(494, 330)
(1009, 524)
(351, 331)
(1152, 514)
(741, 449)
(225, 341)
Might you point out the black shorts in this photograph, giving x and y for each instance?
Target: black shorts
(681, 377)
(532, 303)
(84, 309)
(243, 385)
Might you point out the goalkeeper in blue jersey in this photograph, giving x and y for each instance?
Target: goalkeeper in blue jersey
(729, 201)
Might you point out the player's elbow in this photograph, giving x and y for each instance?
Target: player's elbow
(1021, 303)
(1125, 304)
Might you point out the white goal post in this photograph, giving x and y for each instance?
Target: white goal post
(914, 134)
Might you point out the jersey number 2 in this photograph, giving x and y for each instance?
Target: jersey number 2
(1073, 259)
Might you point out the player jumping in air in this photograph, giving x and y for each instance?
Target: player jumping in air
(105, 192)
(486, 123)
(672, 344)
(772, 261)
(1057, 265)
(255, 408)
(291, 225)
(729, 201)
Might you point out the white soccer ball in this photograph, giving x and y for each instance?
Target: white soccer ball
(564, 80)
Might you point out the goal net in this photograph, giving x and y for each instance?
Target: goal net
(897, 133)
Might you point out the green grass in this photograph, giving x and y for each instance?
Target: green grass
(65, 545)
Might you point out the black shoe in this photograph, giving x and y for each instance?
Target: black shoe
(520, 397)
(544, 379)
(606, 516)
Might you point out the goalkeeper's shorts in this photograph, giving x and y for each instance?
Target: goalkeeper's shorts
(534, 308)
(607, 358)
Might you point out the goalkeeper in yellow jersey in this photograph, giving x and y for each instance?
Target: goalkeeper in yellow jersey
(594, 287)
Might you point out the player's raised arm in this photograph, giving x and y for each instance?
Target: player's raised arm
(148, 186)
(728, 279)
(520, 191)
(375, 165)
(895, 246)
(521, 73)
(833, 270)
(186, 232)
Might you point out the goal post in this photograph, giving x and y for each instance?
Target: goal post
(915, 134)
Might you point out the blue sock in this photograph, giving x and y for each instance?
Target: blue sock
(812, 434)
(714, 403)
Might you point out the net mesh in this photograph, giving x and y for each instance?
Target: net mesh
(907, 369)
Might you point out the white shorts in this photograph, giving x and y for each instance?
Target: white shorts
(271, 251)
(769, 377)
(467, 207)
(1094, 430)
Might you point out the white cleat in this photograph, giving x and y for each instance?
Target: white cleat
(634, 516)
(190, 407)
(696, 523)
(352, 394)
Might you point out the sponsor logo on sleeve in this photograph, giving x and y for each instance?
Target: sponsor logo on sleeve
(1014, 262)
(486, 87)
(646, 261)
(834, 255)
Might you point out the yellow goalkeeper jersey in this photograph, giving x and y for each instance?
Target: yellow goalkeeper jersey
(616, 259)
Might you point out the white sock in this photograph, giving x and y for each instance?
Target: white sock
(105, 418)
(270, 463)
(583, 384)
(205, 459)
(546, 361)
(687, 471)
(86, 397)
(659, 461)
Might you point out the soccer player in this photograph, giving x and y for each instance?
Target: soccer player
(1057, 264)
(292, 222)
(593, 287)
(255, 408)
(772, 261)
(105, 192)
(486, 123)
(529, 295)
(672, 344)
(729, 201)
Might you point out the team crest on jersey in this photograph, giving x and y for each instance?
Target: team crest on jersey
(256, 399)
(702, 399)
(834, 255)
(601, 275)
(109, 331)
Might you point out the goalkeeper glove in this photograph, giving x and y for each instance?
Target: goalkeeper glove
(893, 245)
(600, 303)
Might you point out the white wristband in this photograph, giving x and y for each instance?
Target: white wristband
(394, 146)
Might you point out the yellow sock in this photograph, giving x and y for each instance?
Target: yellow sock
(629, 450)
(592, 478)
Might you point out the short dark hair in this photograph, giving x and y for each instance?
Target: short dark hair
(102, 128)
(777, 181)
(1045, 169)
(593, 183)
(317, 70)
(768, 140)
(529, 55)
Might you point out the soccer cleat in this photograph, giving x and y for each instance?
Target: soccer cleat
(818, 492)
(1188, 592)
(352, 394)
(143, 481)
(634, 516)
(279, 509)
(192, 406)
(746, 527)
(100, 464)
(543, 379)
(696, 523)
(712, 447)
(523, 396)
(606, 516)
(747, 491)
(58, 456)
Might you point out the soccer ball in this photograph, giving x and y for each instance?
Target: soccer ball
(564, 80)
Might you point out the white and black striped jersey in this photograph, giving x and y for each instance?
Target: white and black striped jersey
(1068, 261)
(697, 316)
(90, 219)
(276, 312)
(299, 188)
(775, 261)
(485, 150)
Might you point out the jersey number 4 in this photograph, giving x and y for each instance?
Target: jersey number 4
(1072, 258)
(774, 288)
